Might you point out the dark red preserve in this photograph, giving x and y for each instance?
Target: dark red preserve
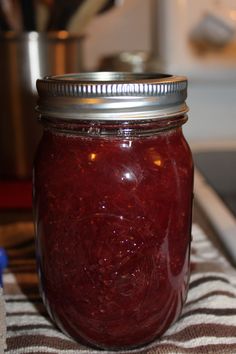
(113, 182)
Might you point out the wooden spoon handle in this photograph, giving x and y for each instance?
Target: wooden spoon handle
(86, 12)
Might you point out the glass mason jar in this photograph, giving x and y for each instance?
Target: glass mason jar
(113, 182)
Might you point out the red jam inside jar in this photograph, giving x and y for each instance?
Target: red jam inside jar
(112, 203)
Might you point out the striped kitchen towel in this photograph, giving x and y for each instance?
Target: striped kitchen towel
(2, 323)
(207, 323)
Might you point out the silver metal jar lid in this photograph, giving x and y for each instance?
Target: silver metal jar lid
(112, 96)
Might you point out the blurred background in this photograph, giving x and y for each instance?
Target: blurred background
(48, 37)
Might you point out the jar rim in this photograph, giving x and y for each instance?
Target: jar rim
(113, 76)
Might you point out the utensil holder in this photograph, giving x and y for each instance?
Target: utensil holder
(24, 58)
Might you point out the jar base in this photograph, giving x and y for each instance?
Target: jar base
(110, 348)
(87, 343)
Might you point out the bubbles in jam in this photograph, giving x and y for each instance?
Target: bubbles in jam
(113, 217)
